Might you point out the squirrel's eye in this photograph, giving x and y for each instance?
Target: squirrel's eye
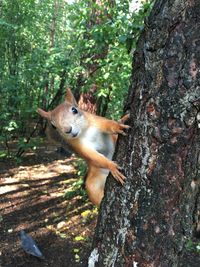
(74, 110)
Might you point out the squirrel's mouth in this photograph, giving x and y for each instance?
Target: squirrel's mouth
(69, 133)
(74, 134)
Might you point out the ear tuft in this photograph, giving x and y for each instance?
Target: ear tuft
(70, 98)
(43, 113)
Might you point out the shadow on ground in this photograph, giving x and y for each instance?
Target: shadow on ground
(32, 199)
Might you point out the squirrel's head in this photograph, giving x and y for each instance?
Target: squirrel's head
(67, 118)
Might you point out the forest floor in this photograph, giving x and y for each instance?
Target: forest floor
(33, 198)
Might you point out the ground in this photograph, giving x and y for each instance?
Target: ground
(37, 196)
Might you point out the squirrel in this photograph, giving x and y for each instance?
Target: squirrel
(93, 138)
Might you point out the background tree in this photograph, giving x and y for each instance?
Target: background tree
(154, 219)
(48, 45)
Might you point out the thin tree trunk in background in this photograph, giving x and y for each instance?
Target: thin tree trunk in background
(153, 217)
(49, 86)
(88, 101)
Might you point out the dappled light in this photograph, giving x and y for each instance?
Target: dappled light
(47, 47)
(33, 199)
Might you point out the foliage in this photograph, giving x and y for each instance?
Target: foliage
(193, 246)
(78, 187)
(45, 45)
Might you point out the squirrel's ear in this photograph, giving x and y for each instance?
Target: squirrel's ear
(70, 98)
(44, 114)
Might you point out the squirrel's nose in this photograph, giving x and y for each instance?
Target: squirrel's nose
(68, 130)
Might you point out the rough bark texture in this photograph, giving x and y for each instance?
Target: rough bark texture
(150, 220)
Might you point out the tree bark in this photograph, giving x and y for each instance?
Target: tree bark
(150, 220)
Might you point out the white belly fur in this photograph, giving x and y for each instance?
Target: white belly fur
(93, 138)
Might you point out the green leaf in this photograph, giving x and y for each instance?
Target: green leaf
(122, 38)
(79, 238)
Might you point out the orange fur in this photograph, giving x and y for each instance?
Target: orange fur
(93, 138)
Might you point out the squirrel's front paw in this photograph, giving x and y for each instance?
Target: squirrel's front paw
(119, 128)
(114, 168)
(122, 127)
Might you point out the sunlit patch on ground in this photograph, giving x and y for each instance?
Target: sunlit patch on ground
(33, 197)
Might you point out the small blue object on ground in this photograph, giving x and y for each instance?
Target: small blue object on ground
(29, 245)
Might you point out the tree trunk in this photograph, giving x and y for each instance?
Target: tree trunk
(151, 220)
